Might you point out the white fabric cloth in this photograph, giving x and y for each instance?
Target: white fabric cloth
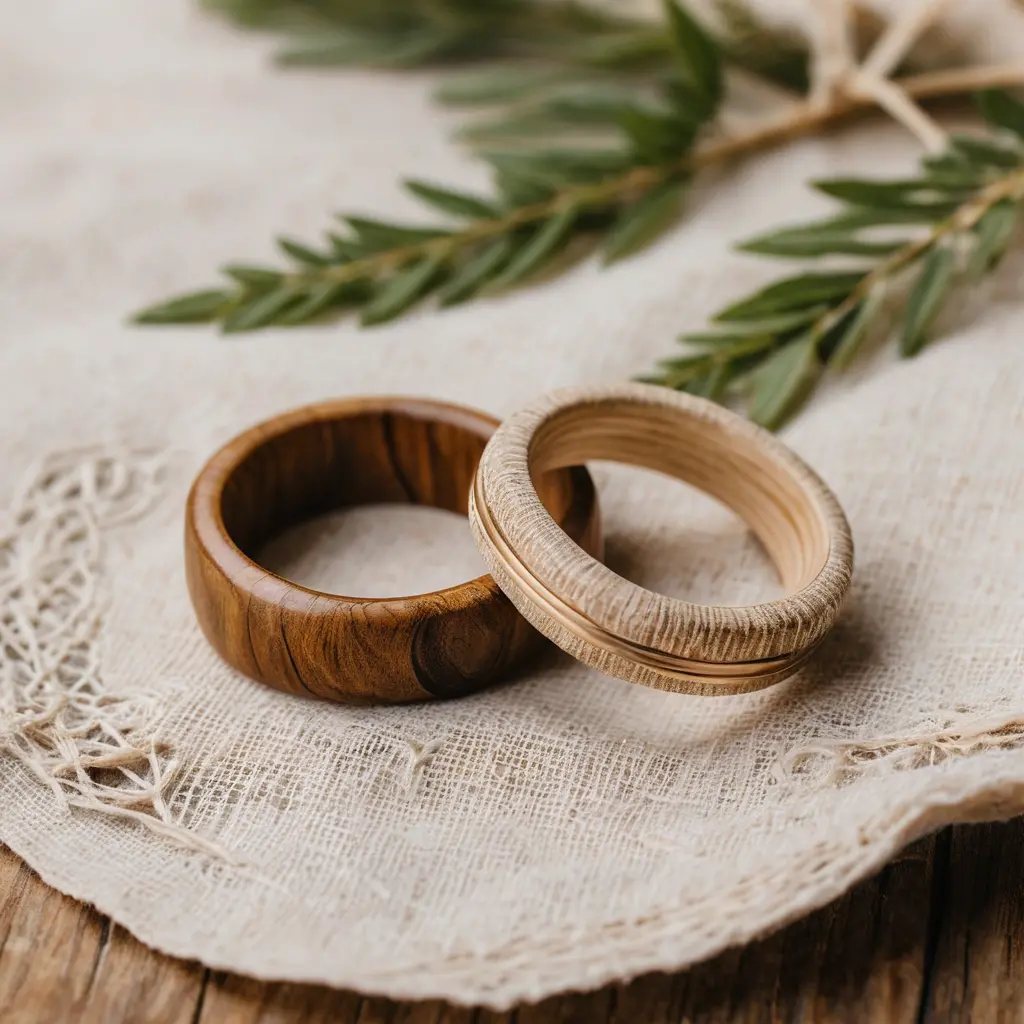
(558, 832)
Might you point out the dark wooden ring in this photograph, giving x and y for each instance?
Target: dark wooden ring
(357, 650)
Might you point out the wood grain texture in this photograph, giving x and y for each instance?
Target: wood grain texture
(935, 938)
(624, 629)
(357, 650)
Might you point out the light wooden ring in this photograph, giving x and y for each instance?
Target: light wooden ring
(357, 650)
(621, 628)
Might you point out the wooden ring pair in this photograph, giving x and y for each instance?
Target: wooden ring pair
(535, 517)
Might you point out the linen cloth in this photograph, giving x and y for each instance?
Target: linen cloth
(559, 831)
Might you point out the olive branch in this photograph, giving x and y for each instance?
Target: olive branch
(647, 122)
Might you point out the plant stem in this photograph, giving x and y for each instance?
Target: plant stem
(802, 119)
(1009, 187)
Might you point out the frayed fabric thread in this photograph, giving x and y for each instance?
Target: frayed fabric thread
(92, 749)
(960, 735)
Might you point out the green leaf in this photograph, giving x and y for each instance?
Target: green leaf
(769, 327)
(401, 291)
(303, 254)
(543, 243)
(992, 235)
(1001, 110)
(556, 168)
(260, 311)
(460, 204)
(476, 272)
(521, 189)
(527, 125)
(859, 219)
(496, 86)
(792, 294)
(915, 195)
(657, 137)
(375, 50)
(725, 349)
(781, 383)
(345, 249)
(700, 59)
(378, 235)
(590, 112)
(257, 278)
(621, 50)
(320, 298)
(711, 385)
(193, 308)
(864, 317)
(988, 154)
(639, 223)
(595, 105)
(927, 297)
(805, 242)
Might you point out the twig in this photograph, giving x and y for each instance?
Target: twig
(1009, 187)
(895, 102)
(896, 42)
(802, 119)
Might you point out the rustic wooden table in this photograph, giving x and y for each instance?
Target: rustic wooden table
(936, 936)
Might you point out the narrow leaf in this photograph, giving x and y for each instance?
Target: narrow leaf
(699, 56)
(887, 195)
(864, 318)
(988, 154)
(769, 327)
(261, 278)
(345, 249)
(258, 312)
(656, 137)
(992, 235)
(558, 167)
(194, 308)
(476, 272)
(802, 243)
(721, 348)
(543, 243)
(302, 253)
(519, 189)
(374, 50)
(595, 105)
(620, 50)
(791, 294)
(783, 381)
(712, 385)
(460, 204)
(320, 298)
(1001, 110)
(497, 86)
(950, 162)
(530, 125)
(401, 291)
(640, 223)
(858, 218)
(379, 235)
(927, 297)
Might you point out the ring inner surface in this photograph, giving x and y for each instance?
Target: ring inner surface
(304, 470)
(763, 489)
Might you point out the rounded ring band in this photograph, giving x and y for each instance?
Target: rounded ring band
(357, 650)
(623, 629)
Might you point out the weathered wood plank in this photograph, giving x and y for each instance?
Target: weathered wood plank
(936, 937)
(977, 972)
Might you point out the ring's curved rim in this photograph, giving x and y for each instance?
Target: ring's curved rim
(440, 643)
(204, 502)
(620, 627)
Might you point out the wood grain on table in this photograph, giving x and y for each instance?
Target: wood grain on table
(936, 936)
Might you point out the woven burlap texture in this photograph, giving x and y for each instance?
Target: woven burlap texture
(560, 831)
